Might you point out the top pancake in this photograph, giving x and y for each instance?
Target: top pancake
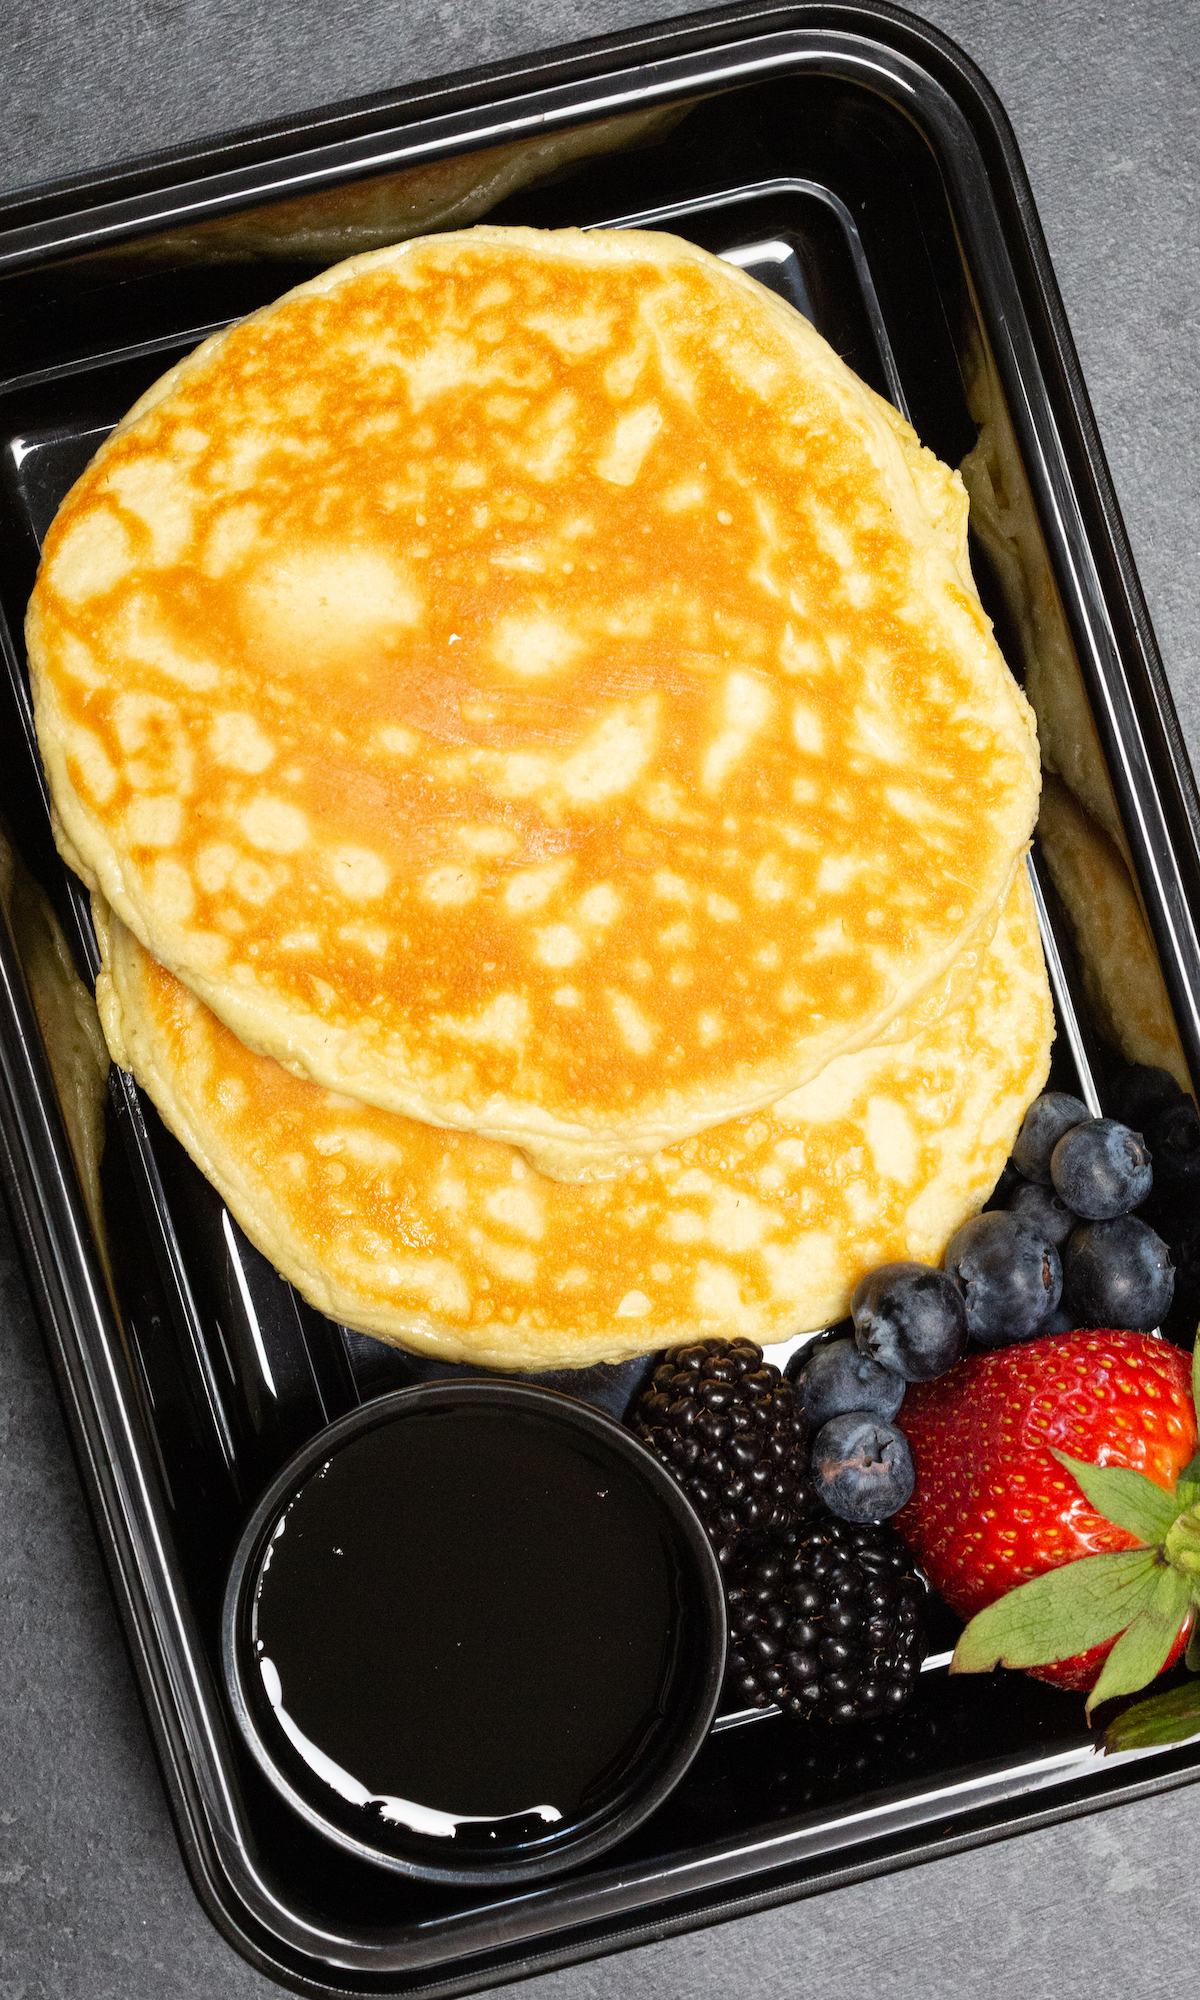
(527, 682)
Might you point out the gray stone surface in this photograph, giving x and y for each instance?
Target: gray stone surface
(93, 1898)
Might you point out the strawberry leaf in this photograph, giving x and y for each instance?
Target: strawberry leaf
(1163, 1718)
(1141, 1652)
(1187, 1486)
(1128, 1499)
(1064, 1612)
(1191, 1658)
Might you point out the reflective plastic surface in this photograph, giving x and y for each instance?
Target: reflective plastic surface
(860, 167)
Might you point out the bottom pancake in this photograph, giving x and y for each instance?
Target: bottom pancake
(453, 1245)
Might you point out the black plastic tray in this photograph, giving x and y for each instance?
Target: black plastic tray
(854, 159)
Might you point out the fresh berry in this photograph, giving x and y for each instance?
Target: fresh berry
(1005, 1187)
(1010, 1274)
(1140, 1092)
(839, 1377)
(1183, 1244)
(1047, 1118)
(1043, 1210)
(994, 1507)
(828, 1623)
(1118, 1273)
(910, 1319)
(1173, 1138)
(796, 1363)
(733, 1433)
(861, 1467)
(1101, 1169)
(1060, 1321)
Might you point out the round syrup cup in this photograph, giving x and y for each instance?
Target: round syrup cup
(505, 1617)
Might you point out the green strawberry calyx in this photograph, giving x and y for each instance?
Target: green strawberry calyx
(1141, 1597)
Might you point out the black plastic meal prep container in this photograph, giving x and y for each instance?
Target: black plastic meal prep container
(851, 157)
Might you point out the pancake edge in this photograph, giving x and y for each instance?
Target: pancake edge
(134, 1046)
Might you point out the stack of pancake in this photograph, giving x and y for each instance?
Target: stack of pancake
(553, 803)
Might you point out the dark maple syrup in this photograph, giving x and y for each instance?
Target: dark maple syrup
(469, 1633)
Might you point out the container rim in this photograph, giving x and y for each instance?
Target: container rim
(352, 138)
(909, 63)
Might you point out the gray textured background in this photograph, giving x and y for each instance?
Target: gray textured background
(93, 1898)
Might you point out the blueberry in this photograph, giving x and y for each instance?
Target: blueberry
(1118, 1273)
(1060, 1321)
(1173, 1139)
(1010, 1274)
(798, 1361)
(1183, 1246)
(1044, 1209)
(1002, 1193)
(861, 1467)
(838, 1378)
(1101, 1169)
(1047, 1118)
(1140, 1093)
(910, 1319)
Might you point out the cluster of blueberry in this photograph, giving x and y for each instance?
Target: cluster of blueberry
(1153, 1103)
(910, 1324)
(1067, 1249)
(1064, 1251)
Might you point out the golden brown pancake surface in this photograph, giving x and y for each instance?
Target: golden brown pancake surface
(454, 1245)
(515, 682)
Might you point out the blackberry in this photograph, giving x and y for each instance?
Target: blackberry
(734, 1435)
(829, 1624)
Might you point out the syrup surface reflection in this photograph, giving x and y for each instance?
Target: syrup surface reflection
(397, 1812)
(460, 1613)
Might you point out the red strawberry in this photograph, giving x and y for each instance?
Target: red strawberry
(994, 1506)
